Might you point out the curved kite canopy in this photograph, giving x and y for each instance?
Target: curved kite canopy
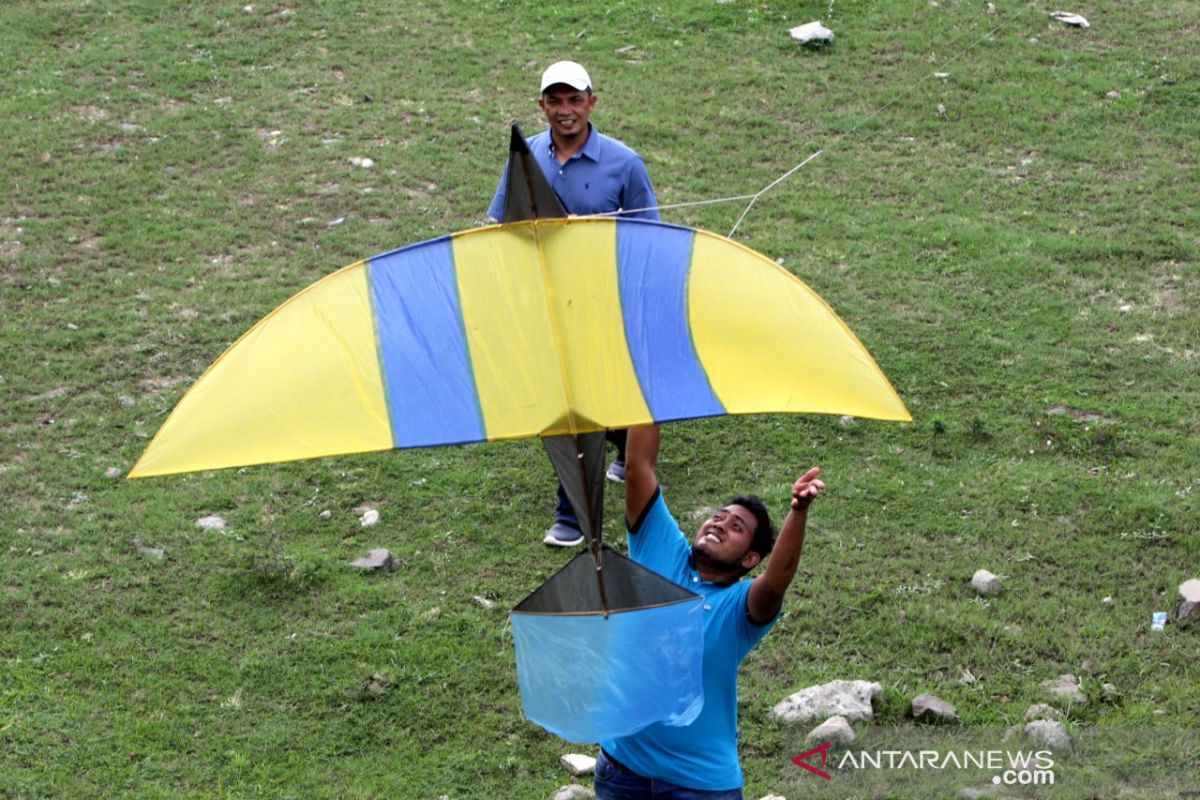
(538, 328)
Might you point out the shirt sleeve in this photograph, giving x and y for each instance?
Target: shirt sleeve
(496, 209)
(656, 540)
(638, 191)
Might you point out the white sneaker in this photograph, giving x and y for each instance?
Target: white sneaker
(616, 472)
(561, 535)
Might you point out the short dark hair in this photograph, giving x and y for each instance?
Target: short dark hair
(764, 531)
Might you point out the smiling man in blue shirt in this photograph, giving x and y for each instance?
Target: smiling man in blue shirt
(700, 760)
(592, 174)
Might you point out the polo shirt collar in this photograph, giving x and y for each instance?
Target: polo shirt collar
(591, 148)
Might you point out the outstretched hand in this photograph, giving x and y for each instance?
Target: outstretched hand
(806, 488)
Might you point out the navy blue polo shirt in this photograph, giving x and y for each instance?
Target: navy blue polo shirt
(603, 177)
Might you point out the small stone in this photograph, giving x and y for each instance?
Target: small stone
(127, 401)
(931, 708)
(772, 797)
(1113, 95)
(1109, 692)
(370, 517)
(113, 472)
(1068, 18)
(573, 792)
(1125, 308)
(325, 515)
(484, 603)
(1065, 687)
(365, 163)
(849, 699)
(834, 729)
(1042, 711)
(380, 558)
(1187, 608)
(156, 553)
(212, 523)
(941, 110)
(1108, 601)
(811, 33)
(942, 75)
(986, 584)
(846, 421)
(1050, 733)
(333, 223)
(579, 764)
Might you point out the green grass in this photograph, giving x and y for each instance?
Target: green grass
(169, 174)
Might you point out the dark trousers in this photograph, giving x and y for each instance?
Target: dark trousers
(564, 513)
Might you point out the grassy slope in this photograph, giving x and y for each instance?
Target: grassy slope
(171, 170)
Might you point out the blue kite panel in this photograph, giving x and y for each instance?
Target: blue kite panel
(423, 348)
(587, 678)
(653, 262)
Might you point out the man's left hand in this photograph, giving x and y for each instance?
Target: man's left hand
(806, 488)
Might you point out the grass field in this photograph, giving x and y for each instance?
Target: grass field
(1024, 267)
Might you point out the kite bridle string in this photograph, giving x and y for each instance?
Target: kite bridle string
(753, 198)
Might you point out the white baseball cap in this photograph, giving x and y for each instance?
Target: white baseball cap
(567, 72)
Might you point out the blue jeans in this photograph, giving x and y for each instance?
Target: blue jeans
(615, 781)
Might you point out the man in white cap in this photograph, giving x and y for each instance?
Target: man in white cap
(592, 174)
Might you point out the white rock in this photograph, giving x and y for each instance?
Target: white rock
(811, 32)
(849, 699)
(579, 764)
(113, 472)
(1068, 18)
(370, 517)
(1125, 308)
(1113, 95)
(1042, 711)
(212, 523)
(1108, 601)
(846, 421)
(986, 584)
(773, 797)
(931, 708)
(365, 163)
(484, 603)
(834, 729)
(380, 558)
(573, 792)
(325, 515)
(333, 223)
(1050, 733)
(1187, 610)
(150, 552)
(1065, 687)
(941, 110)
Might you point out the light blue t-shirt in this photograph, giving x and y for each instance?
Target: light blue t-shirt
(702, 755)
(603, 177)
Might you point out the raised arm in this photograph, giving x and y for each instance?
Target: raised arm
(767, 591)
(641, 456)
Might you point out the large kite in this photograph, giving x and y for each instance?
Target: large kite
(543, 326)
